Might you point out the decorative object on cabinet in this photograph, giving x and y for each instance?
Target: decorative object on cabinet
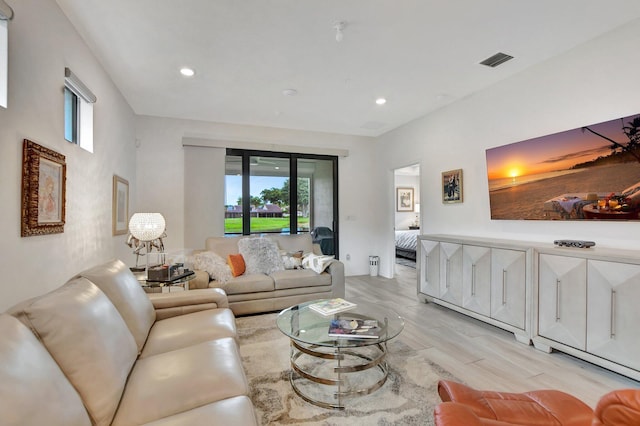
(452, 186)
(591, 164)
(120, 205)
(44, 174)
(404, 200)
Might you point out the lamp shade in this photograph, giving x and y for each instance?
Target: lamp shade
(147, 226)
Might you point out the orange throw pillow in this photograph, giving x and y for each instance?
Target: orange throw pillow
(236, 263)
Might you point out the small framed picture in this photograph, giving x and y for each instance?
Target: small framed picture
(452, 186)
(44, 176)
(404, 199)
(120, 214)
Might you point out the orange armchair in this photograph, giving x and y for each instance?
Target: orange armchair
(463, 405)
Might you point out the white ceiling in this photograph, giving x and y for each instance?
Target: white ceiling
(418, 54)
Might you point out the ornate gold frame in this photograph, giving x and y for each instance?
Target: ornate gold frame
(44, 175)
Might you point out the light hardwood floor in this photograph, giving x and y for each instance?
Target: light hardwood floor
(482, 356)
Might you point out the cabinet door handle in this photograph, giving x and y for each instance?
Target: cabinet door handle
(557, 300)
(504, 287)
(448, 270)
(613, 314)
(426, 268)
(473, 279)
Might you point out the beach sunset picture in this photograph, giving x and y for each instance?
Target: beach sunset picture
(586, 173)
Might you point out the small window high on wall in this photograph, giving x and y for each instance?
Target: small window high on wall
(78, 111)
(6, 14)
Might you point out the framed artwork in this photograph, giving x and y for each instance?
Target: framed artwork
(404, 200)
(120, 213)
(44, 174)
(586, 173)
(452, 186)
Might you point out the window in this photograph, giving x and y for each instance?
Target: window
(283, 193)
(78, 111)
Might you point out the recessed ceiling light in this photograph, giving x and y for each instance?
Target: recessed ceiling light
(187, 72)
(289, 92)
(381, 101)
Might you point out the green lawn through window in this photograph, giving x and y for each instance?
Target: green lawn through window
(263, 224)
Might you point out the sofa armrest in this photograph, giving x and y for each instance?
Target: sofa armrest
(336, 269)
(454, 414)
(184, 302)
(619, 407)
(200, 281)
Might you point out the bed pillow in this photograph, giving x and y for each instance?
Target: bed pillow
(317, 263)
(236, 263)
(260, 255)
(215, 266)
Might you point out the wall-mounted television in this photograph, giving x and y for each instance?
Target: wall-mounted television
(588, 173)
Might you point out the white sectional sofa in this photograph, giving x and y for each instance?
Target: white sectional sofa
(95, 352)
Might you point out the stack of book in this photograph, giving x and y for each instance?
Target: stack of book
(332, 306)
(354, 329)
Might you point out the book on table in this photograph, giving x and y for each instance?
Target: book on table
(332, 306)
(354, 328)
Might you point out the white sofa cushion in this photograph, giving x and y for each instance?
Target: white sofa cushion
(123, 289)
(185, 330)
(89, 340)
(231, 411)
(31, 378)
(173, 382)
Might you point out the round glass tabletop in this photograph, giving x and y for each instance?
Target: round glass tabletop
(307, 326)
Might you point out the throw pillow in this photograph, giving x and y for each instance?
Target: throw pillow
(236, 263)
(260, 255)
(215, 266)
(317, 263)
(291, 260)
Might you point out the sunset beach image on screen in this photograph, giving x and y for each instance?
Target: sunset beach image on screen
(562, 175)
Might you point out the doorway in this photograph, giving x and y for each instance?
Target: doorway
(407, 220)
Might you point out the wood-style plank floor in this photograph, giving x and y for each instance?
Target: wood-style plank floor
(483, 356)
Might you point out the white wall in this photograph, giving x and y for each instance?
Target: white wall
(595, 82)
(41, 44)
(160, 165)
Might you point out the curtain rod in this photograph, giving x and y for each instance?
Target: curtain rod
(6, 13)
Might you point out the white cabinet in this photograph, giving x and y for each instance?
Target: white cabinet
(587, 306)
(486, 279)
(508, 286)
(613, 316)
(451, 272)
(562, 290)
(429, 268)
(476, 279)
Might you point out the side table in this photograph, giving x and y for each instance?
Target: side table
(151, 286)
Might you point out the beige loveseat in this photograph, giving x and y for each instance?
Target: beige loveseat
(254, 293)
(94, 352)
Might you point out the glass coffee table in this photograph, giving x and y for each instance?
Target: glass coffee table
(325, 370)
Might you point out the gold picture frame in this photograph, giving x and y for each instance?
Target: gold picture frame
(44, 175)
(120, 209)
(405, 200)
(452, 186)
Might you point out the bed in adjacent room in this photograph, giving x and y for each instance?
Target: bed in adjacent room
(406, 243)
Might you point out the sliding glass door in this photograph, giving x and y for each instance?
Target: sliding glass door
(284, 193)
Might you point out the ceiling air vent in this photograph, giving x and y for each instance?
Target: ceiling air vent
(497, 59)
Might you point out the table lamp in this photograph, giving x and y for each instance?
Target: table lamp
(147, 227)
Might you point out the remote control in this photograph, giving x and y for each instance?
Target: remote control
(574, 243)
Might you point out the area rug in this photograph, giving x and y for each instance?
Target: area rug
(407, 398)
